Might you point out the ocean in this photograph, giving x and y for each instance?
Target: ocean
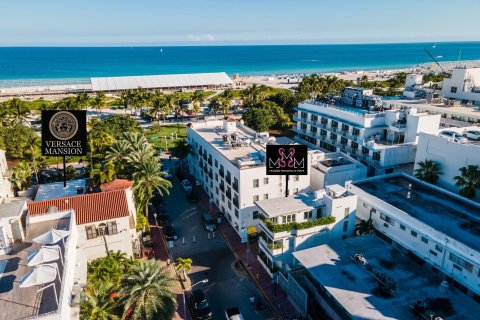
(40, 65)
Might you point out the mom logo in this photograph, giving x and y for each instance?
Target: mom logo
(289, 159)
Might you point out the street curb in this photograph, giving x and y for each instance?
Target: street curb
(266, 297)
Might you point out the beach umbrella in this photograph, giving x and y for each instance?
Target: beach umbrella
(41, 274)
(52, 236)
(43, 255)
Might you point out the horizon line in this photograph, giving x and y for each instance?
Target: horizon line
(213, 44)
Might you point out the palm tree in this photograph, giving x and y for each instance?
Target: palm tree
(127, 98)
(100, 302)
(226, 101)
(99, 101)
(197, 100)
(18, 111)
(158, 105)
(148, 179)
(148, 292)
(254, 94)
(82, 100)
(214, 105)
(428, 171)
(185, 265)
(103, 174)
(116, 154)
(22, 173)
(469, 180)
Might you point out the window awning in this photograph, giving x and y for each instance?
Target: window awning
(251, 230)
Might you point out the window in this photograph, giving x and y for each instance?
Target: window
(456, 259)
(288, 218)
(112, 227)
(256, 198)
(439, 248)
(216, 163)
(255, 183)
(236, 213)
(296, 178)
(425, 240)
(308, 215)
(265, 196)
(345, 226)
(387, 219)
(346, 212)
(295, 190)
(265, 180)
(91, 232)
(229, 205)
(255, 214)
(102, 229)
(319, 212)
(453, 90)
(402, 227)
(433, 253)
(365, 205)
(413, 233)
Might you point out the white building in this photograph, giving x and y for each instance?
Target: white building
(413, 85)
(105, 220)
(385, 141)
(429, 223)
(366, 278)
(449, 154)
(228, 161)
(451, 115)
(11, 227)
(463, 86)
(5, 173)
(37, 300)
(302, 221)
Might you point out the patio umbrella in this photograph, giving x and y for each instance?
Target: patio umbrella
(41, 274)
(44, 254)
(52, 236)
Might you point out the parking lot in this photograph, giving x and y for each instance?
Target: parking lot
(212, 259)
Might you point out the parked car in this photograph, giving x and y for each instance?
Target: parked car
(169, 232)
(233, 314)
(472, 134)
(163, 219)
(192, 197)
(201, 309)
(168, 173)
(208, 222)
(456, 137)
(187, 185)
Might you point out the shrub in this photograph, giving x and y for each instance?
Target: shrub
(275, 227)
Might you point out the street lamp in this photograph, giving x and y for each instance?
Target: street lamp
(155, 216)
(184, 302)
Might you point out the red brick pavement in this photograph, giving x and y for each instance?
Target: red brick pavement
(281, 305)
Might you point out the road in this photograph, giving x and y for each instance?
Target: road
(212, 259)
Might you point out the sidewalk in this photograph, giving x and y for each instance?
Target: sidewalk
(162, 254)
(247, 254)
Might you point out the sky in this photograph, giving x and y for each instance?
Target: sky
(220, 22)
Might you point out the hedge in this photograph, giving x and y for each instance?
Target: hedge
(275, 227)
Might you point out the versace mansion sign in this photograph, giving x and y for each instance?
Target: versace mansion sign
(64, 133)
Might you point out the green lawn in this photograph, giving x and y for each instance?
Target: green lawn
(156, 135)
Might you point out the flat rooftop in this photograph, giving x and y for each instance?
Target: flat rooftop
(283, 205)
(26, 302)
(335, 159)
(56, 190)
(452, 216)
(248, 147)
(422, 105)
(356, 289)
(13, 208)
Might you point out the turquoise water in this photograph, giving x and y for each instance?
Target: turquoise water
(47, 64)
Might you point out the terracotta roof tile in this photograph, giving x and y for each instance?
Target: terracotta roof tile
(117, 184)
(88, 207)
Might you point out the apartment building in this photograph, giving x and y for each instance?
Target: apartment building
(427, 222)
(383, 140)
(44, 272)
(367, 278)
(302, 221)
(450, 155)
(463, 86)
(228, 162)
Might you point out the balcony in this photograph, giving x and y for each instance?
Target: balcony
(291, 226)
(271, 247)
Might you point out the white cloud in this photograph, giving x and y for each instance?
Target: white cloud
(201, 37)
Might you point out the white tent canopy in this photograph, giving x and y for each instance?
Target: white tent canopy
(43, 255)
(51, 237)
(41, 274)
(161, 81)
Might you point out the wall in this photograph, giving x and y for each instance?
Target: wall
(458, 80)
(122, 241)
(450, 155)
(423, 250)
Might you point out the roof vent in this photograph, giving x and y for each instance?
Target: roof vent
(52, 209)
